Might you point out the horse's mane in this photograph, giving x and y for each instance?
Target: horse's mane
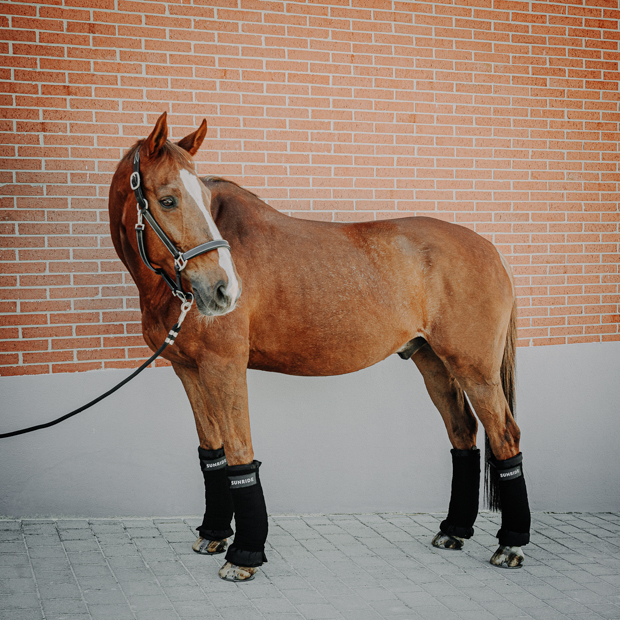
(177, 154)
(214, 178)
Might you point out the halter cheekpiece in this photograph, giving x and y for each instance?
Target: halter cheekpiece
(180, 258)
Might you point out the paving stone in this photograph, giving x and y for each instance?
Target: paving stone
(141, 588)
(268, 606)
(48, 552)
(64, 575)
(184, 593)
(306, 595)
(129, 561)
(112, 596)
(59, 590)
(284, 616)
(347, 602)
(99, 582)
(155, 614)
(17, 586)
(39, 540)
(139, 573)
(75, 534)
(86, 558)
(370, 614)
(206, 611)
(14, 559)
(20, 600)
(66, 524)
(143, 603)
(64, 606)
(110, 612)
(90, 570)
(115, 551)
(232, 598)
(316, 611)
(143, 532)
(10, 535)
(24, 614)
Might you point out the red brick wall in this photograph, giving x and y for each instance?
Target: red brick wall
(501, 116)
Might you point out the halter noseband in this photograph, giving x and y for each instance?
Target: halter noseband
(180, 258)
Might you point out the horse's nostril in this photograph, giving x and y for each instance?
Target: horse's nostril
(221, 299)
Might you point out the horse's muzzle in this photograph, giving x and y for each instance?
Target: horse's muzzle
(212, 300)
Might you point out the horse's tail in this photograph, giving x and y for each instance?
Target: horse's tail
(508, 376)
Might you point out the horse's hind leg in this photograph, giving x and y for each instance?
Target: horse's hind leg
(492, 409)
(215, 528)
(462, 427)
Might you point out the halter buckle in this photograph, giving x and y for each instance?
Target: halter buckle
(180, 262)
(134, 180)
(140, 224)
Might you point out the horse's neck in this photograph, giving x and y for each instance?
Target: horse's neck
(233, 201)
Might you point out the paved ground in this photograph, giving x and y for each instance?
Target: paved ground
(358, 567)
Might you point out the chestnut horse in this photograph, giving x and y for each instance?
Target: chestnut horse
(316, 298)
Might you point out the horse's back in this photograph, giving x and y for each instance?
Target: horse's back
(331, 298)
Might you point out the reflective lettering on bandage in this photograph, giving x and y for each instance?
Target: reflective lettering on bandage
(238, 482)
(510, 474)
(211, 465)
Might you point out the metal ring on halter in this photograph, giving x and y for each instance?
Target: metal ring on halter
(185, 308)
(180, 262)
(134, 180)
(188, 303)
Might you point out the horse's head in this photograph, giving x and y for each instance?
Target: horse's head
(181, 205)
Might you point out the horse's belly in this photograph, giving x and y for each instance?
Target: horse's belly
(314, 366)
(309, 352)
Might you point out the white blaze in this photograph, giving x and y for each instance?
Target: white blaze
(193, 187)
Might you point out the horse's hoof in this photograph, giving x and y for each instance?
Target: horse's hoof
(231, 572)
(209, 547)
(508, 557)
(443, 541)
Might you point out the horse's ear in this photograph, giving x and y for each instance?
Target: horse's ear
(193, 142)
(155, 142)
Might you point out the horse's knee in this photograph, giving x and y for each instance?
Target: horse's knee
(463, 430)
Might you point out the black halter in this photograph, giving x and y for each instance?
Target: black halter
(180, 258)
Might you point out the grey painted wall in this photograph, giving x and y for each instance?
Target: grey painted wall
(370, 441)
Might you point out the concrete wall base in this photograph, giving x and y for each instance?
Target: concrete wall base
(366, 442)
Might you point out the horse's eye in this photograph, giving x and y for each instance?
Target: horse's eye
(168, 202)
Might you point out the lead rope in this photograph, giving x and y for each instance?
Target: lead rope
(170, 338)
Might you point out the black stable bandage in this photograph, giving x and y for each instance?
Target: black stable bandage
(515, 530)
(248, 548)
(218, 501)
(463, 508)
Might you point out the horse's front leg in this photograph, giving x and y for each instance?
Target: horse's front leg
(215, 527)
(225, 383)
